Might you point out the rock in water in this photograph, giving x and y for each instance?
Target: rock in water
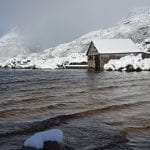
(40, 140)
(52, 145)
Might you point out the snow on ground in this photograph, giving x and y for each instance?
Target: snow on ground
(38, 139)
(136, 27)
(128, 63)
(40, 61)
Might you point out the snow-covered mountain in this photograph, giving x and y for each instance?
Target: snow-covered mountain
(136, 27)
(11, 44)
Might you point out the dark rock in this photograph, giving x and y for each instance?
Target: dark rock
(52, 145)
(138, 69)
(28, 148)
(130, 68)
(120, 69)
(109, 69)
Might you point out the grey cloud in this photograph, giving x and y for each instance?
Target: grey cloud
(50, 22)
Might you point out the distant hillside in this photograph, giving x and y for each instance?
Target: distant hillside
(136, 27)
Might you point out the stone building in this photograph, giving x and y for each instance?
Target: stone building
(101, 51)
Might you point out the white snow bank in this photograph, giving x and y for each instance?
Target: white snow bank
(135, 63)
(41, 61)
(38, 139)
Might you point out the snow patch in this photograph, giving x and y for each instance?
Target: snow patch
(38, 139)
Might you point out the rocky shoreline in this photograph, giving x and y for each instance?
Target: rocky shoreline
(83, 133)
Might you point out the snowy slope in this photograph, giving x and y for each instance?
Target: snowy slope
(136, 27)
(11, 44)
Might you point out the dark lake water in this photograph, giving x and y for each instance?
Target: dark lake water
(120, 99)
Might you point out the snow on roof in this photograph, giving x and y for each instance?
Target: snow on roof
(115, 46)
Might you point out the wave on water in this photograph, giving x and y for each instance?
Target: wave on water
(137, 129)
(78, 133)
(120, 100)
(35, 126)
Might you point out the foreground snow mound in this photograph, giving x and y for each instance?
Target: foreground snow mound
(128, 63)
(38, 139)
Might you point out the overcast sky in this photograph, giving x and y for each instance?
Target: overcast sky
(50, 22)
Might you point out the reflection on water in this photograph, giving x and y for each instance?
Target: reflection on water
(119, 99)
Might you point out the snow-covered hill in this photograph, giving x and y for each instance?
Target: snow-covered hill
(136, 27)
(11, 44)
